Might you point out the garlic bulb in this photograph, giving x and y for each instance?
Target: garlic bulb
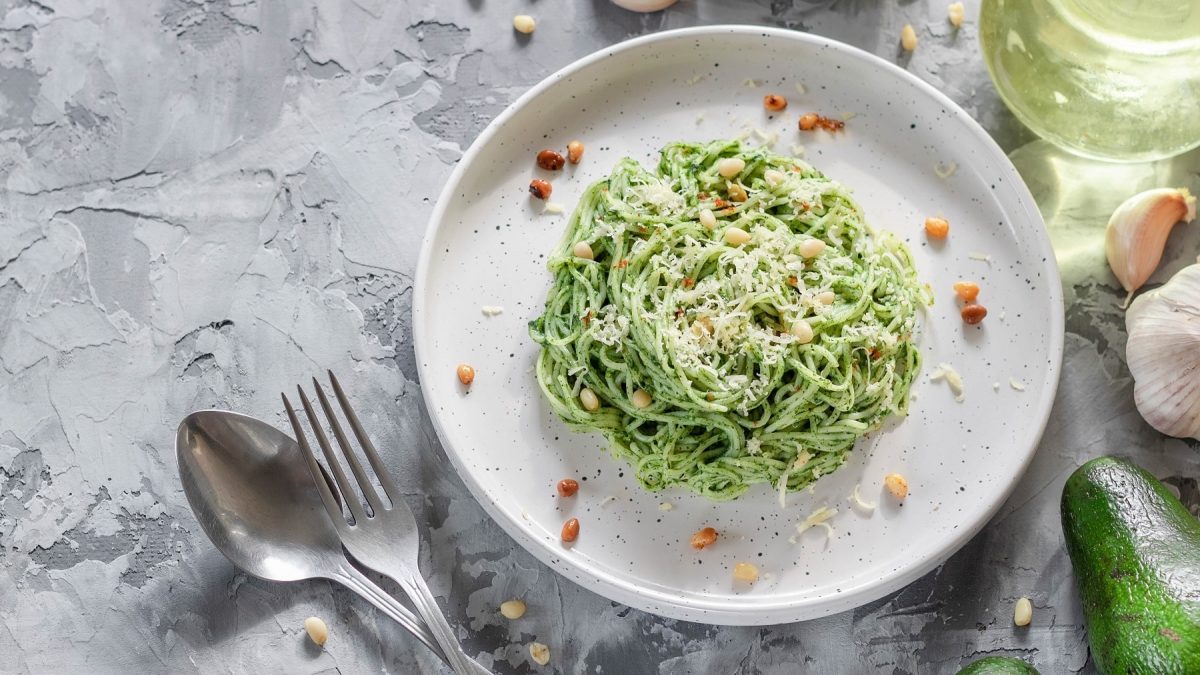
(643, 5)
(1163, 353)
(1137, 233)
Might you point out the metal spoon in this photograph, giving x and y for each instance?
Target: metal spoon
(252, 492)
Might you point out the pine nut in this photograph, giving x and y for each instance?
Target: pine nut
(703, 538)
(1023, 612)
(707, 218)
(590, 401)
(973, 313)
(583, 250)
(512, 609)
(550, 160)
(737, 193)
(524, 23)
(896, 484)
(736, 236)
(773, 177)
(803, 331)
(641, 399)
(730, 166)
(826, 297)
(908, 38)
(540, 188)
(745, 572)
(466, 373)
(570, 530)
(811, 248)
(567, 487)
(808, 121)
(317, 631)
(574, 152)
(774, 102)
(966, 291)
(540, 653)
(937, 228)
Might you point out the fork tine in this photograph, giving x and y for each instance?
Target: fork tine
(344, 487)
(331, 505)
(385, 478)
(364, 482)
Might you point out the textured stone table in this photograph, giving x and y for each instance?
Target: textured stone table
(204, 202)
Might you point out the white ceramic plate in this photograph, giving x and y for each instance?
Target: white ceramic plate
(487, 243)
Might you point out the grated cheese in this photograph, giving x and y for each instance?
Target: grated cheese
(981, 257)
(750, 83)
(754, 446)
(491, 310)
(553, 208)
(857, 501)
(666, 506)
(693, 80)
(700, 118)
(945, 169)
(798, 150)
(946, 372)
(801, 89)
(996, 386)
(818, 518)
(1016, 384)
(608, 499)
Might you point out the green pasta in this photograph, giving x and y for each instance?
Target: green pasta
(720, 363)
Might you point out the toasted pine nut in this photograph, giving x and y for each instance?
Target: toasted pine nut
(1023, 612)
(317, 631)
(966, 291)
(641, 399)
(896, 484)
(588, 398)
(730, 166)
(466, 373)
(574, 152)
(808, 121)
(540, 653)
(736, 236)
(937, 228)
(826, 297)
(704, 538)
(570, 530)
(567, 487)
(540, 188)
(973, 313)
(582, 249)
(737, 193)
(774, 102)
(745, 572)
(773, 177)
(550, 160)
(524, 23)
(708, 218)
(512, 609)
(908, 38)
(811, 248)
(803, 331)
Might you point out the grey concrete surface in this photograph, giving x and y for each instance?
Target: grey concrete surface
(203, 202)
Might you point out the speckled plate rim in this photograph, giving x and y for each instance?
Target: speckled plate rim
(717, 611)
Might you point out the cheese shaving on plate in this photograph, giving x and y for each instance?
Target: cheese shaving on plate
(491, 310)
(818, 518)
(946, 372)
(857, 501)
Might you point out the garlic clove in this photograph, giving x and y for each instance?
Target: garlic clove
(1137, 233)
(1163, 354)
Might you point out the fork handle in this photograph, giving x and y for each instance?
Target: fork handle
(384, 602)
(427, 607)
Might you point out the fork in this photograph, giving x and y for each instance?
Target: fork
(385, 538)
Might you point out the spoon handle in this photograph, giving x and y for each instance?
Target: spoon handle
(384, 602)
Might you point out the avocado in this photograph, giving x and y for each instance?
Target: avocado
(1136, 553)
(999, 665)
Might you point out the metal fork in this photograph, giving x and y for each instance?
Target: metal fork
(384, 539)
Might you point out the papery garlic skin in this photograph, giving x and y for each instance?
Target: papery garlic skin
(1163, 354)
(1137, 233)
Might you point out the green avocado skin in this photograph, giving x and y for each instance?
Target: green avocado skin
(999, 665)
(1136, 553)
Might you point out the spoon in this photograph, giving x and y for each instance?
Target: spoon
(253, 494)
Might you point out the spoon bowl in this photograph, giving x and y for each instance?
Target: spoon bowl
(252, 492)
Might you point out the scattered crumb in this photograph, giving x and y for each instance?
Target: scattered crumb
(700, 118)
(1059, 98)
(606, 500)
(981, 257)
(1002, 315)
(1016, 384)
(693, 80)
(491, 310)
(553, 208)
(666, 506)
(946, 372)
(525, 516)
(750, 83)
(995, 386)
(797, 150)
(945, 169)
(847, 116)
(801, 89)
